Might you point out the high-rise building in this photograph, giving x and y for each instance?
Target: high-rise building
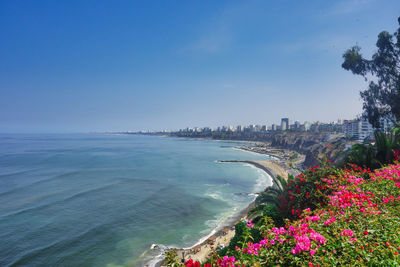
(358, 129)
(284, 124)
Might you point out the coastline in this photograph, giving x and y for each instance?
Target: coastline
(200, 251)
(224, 233)
(271, 167)
(221, 236)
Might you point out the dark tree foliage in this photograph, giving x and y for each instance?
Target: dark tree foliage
(382, 98)
(376, 155)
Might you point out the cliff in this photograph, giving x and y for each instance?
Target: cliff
(315, 146)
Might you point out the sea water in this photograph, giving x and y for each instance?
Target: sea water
(104, 200)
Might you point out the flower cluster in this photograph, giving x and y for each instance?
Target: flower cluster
(190, 263)
(396, 155)
(227, 262)
(347, 233)
(328, 206)
(330, 221)
(249, 224)
(301, 238)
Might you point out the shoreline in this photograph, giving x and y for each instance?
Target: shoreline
(272, 167)
(225, 232)
(201, 249)
(222, 236)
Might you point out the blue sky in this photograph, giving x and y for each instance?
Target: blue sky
(77, 66)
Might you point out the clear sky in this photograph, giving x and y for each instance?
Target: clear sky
(77, 66)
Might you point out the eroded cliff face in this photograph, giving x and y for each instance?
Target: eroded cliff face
(316, 146)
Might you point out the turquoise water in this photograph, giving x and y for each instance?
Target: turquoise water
(98, 200)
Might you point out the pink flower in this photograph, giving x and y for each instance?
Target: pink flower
(330, 221)
(190, 263)
(226, 262)
(250, 224)
(313, 218)
(347, 233)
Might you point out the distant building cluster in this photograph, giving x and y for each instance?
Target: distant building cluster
(357, 129)
(283, 126)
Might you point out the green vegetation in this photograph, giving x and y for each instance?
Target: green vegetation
(382, 98)
(331, 217)
(378, 154)
(294, 156)
(171, 258)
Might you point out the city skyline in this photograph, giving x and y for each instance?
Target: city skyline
(266, 126)
(111, 66)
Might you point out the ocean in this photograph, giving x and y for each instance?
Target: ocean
(104, 200)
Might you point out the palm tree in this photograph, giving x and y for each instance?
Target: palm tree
(269, 197)
(363, 155)
(386, 144)
(376, 155)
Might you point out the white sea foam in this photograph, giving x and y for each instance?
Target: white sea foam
(213, 195)
(217, 195)
(158, 250)
(263, 180)
(215, 225)
(225, 184)
(153, 255)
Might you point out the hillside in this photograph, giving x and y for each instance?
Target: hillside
(315, 146)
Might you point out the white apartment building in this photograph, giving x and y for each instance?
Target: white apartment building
(358, 129)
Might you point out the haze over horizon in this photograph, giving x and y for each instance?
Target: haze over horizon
(78, 66)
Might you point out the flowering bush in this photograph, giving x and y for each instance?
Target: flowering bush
(341, 217)
(353, 217)
(308, 190)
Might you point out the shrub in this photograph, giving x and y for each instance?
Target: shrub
(273, 212)
(358, 223)
(376, 155)
(308, 190)
(339, 217)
